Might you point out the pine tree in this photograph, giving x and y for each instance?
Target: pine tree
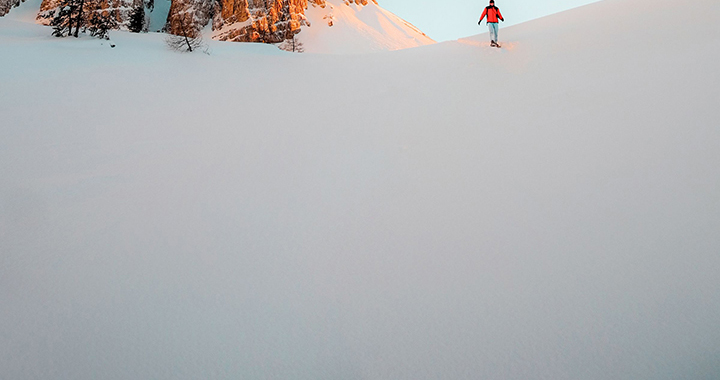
(79, 18)
(73, 16)
(137, 18)
(100, 23)
(62, 18)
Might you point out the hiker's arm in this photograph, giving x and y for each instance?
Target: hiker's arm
(500, 15)
(483, 15)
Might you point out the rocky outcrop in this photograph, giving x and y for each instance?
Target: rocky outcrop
(264, 20)
(269, 21)
(118, 10)
(7, 5)
(190, 14)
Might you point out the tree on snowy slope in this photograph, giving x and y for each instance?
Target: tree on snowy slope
(100, 23)
(72, 16)
(186, 36)
(62, 17)
(68, 15)
(293, 45)
(79, 17)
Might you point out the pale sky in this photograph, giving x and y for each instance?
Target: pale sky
(452, 19)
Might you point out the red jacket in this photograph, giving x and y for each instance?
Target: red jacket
(492, 13)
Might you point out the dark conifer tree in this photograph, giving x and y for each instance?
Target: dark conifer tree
(137, 18)
(62, 18)
(100, 23)
(79, 17)
(72, 16)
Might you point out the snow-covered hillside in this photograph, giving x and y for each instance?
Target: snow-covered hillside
(339, 27)
(545, 211)
(331, 27)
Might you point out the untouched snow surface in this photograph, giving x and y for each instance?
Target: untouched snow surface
(342, 28)
(546, 211)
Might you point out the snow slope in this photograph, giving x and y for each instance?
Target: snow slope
(352, 28)
(546, 211)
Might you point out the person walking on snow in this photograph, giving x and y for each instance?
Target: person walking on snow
(493, 14)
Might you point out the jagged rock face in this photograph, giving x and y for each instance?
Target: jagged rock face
(269, 21)
(263, 20)
(117, 9)
(192, 14)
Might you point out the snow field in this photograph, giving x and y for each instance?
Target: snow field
(549, 211)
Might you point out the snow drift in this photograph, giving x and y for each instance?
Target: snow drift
(545, 211)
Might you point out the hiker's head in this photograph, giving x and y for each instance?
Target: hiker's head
(492, 2)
